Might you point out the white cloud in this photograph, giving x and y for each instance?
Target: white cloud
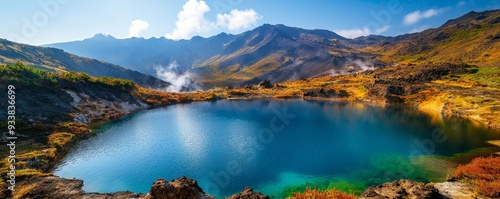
(353, 33)
(416, 16)
(238, 19)
(136, 27)
(419, 29)
(382, 29)
(191, 20)
(461, 3)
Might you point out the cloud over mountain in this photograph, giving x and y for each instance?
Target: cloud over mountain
(238, 19)
(416, 16)
(191, 20)
(136, 27)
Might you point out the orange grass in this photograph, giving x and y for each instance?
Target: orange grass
(483, 173)
(325, 194)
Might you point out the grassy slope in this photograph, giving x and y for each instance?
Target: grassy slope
(471, 39)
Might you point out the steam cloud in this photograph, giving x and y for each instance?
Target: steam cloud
(356, 65)
(179, 82)
(364, 65)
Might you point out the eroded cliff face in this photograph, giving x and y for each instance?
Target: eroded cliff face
(90, 109)
(82, 101)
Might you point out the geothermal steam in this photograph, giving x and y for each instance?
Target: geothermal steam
(179, 82)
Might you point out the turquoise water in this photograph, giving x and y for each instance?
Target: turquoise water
(271, 145)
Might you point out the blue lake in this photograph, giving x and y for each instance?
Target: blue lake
(274, 146)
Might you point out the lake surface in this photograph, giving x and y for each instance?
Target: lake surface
(273, 146)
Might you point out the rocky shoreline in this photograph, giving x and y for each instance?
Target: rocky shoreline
(55, 187)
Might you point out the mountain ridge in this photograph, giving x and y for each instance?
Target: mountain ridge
(266, 52)
(281, 53)
(477, 34)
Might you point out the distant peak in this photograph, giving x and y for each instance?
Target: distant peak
(102, 35)
(275, 25)
(221, 34)
(197, 37)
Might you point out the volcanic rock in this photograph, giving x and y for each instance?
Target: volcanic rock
(248, 193)
(402, 189)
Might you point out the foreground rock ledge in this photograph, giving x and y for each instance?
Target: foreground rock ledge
(186, 188)
(181, 188)
(418, 190)
(402, 189)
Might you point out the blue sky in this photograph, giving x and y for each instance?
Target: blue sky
(48, 21)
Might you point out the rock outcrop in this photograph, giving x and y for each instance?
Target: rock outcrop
(248, 193)
(179, 188)
(393, 83)
(402, 189)
(266, 84)
(456, 190)
(54, 187)
(327, 93)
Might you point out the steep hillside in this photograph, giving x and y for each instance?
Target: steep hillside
(472, 39)
(48, 96)
(57, 60)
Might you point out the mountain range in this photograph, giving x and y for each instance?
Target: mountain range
(280, 53)
(275, 52)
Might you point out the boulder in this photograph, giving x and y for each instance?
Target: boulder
(180, 188)
(326, 93)
(456, 190)
(250, 87)
(248, 193)
(266, 84)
